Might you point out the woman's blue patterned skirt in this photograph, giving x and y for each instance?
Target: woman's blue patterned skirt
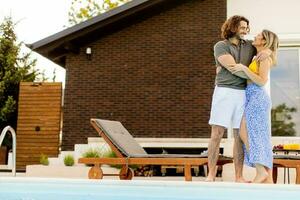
(257, 114)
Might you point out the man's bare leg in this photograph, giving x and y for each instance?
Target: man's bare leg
(213, 150)
(238, 157)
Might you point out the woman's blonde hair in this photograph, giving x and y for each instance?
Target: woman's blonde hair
(272, 43)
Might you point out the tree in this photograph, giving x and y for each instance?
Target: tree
(82, 10)
(282, 124)
(14, 68)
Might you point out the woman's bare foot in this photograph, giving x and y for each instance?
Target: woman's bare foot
(269, 180)
(241, 180)
(261, 177)
(209, 179)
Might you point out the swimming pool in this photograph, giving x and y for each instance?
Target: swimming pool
(70, 189)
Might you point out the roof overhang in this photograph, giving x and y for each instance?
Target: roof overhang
(57, 46)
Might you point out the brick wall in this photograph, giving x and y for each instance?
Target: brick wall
(156, 76)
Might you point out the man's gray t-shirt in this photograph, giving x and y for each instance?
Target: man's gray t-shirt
(242, 53)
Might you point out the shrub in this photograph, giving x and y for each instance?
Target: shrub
(109, 154)
(92, 153)
(15, 66)
(69, 160)
(282, 120)
(44, 159)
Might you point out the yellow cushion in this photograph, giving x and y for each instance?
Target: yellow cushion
(291, 146)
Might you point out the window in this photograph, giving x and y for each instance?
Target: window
(285, 93)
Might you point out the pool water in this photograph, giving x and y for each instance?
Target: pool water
(74, 189)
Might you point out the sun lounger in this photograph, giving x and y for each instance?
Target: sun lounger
(129, 152)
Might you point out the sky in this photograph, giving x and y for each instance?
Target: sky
(37, 19)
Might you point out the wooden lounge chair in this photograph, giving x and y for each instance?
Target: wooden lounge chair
(286, 161)
(129, 152)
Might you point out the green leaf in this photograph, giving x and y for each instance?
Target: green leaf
(84, 10)
(14, 68)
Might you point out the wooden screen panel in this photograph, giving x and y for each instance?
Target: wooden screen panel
(39, 119)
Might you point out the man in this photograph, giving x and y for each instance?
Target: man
(229, 94)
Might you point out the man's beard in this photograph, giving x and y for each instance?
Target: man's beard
(239, 36)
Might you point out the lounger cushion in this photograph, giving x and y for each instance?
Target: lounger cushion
(121, 138)
(124, 141)
(180, 156)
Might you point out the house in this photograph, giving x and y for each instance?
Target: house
(282, 17)
(148, 64)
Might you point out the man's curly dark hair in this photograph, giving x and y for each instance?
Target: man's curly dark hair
(230, 26)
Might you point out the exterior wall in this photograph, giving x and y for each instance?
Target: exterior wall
(156, 76)
(282, 17)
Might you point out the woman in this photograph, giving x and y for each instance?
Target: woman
(255, 130)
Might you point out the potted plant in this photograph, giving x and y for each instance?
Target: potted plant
(44, 159)
(69, 160)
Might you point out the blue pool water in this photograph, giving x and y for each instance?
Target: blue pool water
(69, 189)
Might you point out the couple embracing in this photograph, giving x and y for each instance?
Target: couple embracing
(240, 101)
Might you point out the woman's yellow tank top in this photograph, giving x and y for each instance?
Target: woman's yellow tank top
(254, 67)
